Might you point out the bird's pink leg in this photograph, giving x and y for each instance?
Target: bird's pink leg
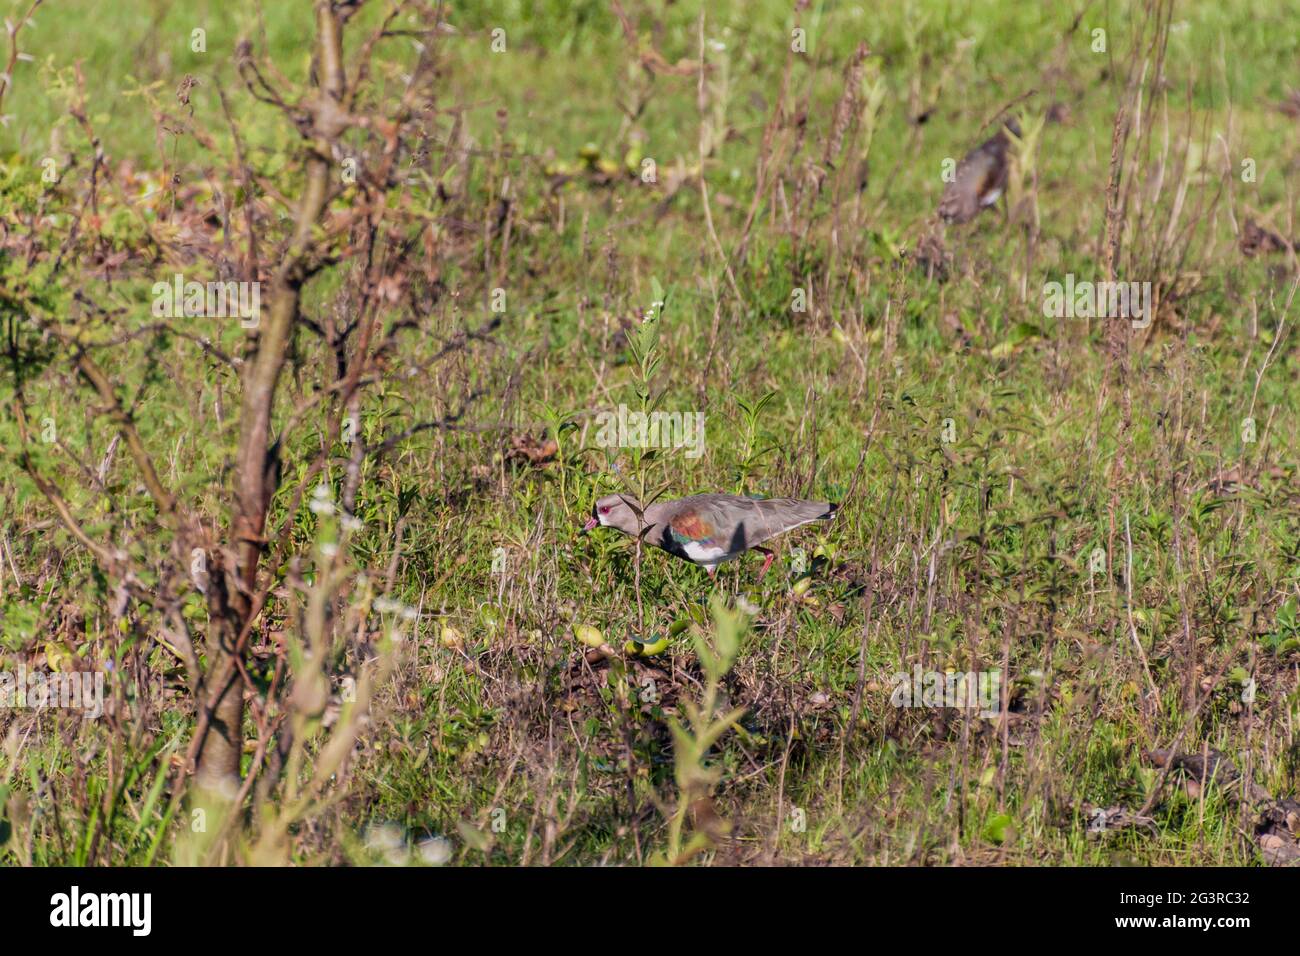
(767, 561)
(712, 570)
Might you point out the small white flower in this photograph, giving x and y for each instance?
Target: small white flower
(435, 850)
(389, 841)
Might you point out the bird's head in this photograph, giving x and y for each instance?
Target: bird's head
(614, 511)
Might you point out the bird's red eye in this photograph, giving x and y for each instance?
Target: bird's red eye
(604, 510)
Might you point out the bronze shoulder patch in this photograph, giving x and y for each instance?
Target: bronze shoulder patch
(691, 526)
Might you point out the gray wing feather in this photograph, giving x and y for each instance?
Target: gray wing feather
(742, 523)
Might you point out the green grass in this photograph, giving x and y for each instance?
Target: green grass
(943, 550)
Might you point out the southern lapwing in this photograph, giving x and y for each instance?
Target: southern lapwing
(1256, 239)
(981, 178)
(711, 528)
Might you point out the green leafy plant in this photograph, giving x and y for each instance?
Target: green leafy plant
(753, 451)
(1285, 637)
(716, 650)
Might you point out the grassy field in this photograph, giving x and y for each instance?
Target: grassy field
(1103, 515)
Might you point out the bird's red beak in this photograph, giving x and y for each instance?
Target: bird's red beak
(591, 523)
